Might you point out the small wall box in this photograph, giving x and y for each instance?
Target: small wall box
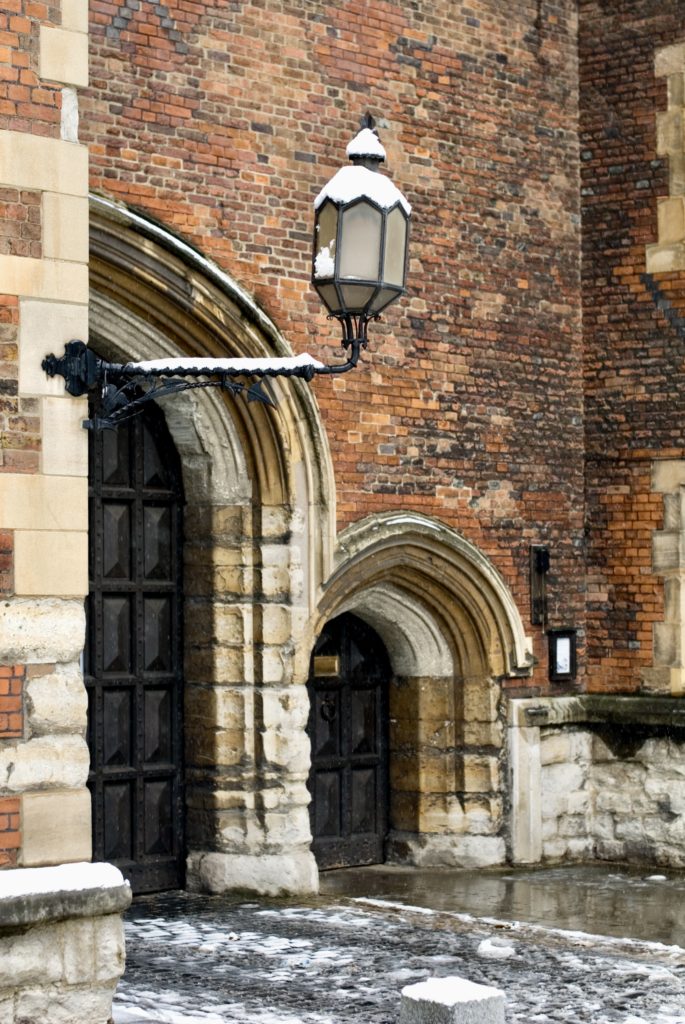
(562, 655)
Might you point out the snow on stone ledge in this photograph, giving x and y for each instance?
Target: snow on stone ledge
(450, 991)
(212, 366)
(366, 143)
(353, 182)
(17, 882)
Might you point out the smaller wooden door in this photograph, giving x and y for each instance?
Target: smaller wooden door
(348, 682)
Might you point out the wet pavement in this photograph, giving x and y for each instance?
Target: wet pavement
(343, 959)
(597, 898)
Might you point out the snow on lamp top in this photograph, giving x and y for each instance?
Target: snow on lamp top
(359, 182)
(362, 180)
(366, 143)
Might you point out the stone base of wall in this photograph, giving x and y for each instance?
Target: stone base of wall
(610, 773)
(454, 851)
(264, 874)
(61, 943)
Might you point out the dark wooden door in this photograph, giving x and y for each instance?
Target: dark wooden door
(348, 782)
(133, 665)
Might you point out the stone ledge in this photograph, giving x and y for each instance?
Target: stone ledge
(31, 896)
(594, 709)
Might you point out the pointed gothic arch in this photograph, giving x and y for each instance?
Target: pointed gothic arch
(452, 631)
(259, 526)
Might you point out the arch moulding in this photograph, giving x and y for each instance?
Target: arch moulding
(259, 536)
(452, 631)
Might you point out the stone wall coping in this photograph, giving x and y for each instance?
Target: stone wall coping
(589, 708)
(31, 896)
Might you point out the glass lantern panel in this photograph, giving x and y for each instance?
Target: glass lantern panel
(395, 246)
(324, 241)
(384, 297)
(329, 296)
(360, 243)
(356, 296)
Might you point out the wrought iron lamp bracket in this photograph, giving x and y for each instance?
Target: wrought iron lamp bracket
(120, 390)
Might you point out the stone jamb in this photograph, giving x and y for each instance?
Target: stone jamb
(668, 254)
(667, 676)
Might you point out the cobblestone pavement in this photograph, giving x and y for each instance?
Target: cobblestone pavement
(196, 959)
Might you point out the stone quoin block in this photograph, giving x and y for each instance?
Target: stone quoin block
(451, 1001)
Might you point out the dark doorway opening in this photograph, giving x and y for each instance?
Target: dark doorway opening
(348, 729)
(134, 652)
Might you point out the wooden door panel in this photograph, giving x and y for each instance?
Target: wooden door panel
(133, 657)
(348, 732)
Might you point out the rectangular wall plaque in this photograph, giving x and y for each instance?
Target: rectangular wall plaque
(562, 655)
(325, 665)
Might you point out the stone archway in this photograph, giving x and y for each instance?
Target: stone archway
(452, 631)
(260, 500)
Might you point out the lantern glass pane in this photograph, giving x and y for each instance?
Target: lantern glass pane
(324, 241)
(395, 245)
(384, 297)
(328, 294)
(360, 243)
(356, 296)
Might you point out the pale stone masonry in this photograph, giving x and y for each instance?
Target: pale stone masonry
(47, 511)
(61, 952)
(597, 778)
(668, 254)
(61, 943)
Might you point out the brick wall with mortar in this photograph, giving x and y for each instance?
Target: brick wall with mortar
(225, 122)
(635, 344)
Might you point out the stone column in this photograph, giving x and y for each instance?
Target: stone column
(43, 455)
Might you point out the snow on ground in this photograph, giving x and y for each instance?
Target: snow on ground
(217, 960)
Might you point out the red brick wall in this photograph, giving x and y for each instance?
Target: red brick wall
(11, 701)
(224, 122)
(20, 223)
(10, 831)
(11, 727)
(19, 418)
(26, 103)
(635, 355)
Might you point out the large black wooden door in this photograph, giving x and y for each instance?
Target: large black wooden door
(133, 655)
(348, 682)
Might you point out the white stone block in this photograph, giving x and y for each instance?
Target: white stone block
(63, 55)
(43, 567)
(526, 812)
(29, 958)
(55, 827)
(57, 702)
(37, 632)
(451, 1001)
(31, 501)
(44, 279)
(50, 165)
(68, 1006)
(110, 955)
(266, 874)
(65, 442)
(65, 227)
(46, 327)
(555, 748)
(55, 762)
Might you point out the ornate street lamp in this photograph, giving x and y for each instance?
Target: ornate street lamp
(359, 266)
(361, 237)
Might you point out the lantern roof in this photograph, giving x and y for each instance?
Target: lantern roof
(358, 182)
(366, 143)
